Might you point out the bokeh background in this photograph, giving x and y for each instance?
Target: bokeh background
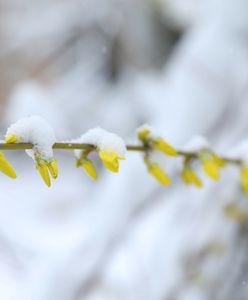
(179, 65)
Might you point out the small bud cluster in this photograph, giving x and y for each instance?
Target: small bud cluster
(150, 143)
(109, 146)
(199, 151)
(36, 131)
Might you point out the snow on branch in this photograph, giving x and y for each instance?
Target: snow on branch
(36, 136)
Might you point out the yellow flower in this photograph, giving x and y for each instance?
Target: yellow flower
(6, 167)
(211, 168)
(244, 179)
(161, 145)
(211, 163)
(53, 168)
(112, 166)
(10, 139)
(190, 177)
(218, 160)
(88, 167)
(143, 133)
(42, 169)
(110, 160)
(185, 176)
(155, 170)
(46, 167)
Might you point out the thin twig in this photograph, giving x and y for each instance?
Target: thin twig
(78, 146)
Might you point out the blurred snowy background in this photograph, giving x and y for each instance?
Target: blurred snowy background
(180, 65)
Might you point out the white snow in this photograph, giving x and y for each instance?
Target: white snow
(124, 237)
(195, 144)
(35, 130)
(103, 140)
(240, 151)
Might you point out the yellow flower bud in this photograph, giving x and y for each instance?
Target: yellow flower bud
(185, 176)
(53, 168)
(218, 160)
(10, 138)
(110, 160)
(109, 156)
(195, 179)
(244, 179)
(41, 166)
(161, 145)
(190, 177)
(89, 168)
(112, 166)
(6, 167)
(155, 170)
(143, 133)
(211, 168)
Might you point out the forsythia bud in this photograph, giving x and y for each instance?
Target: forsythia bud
(211, 169)
(6, 167)
(161, 145)
(189, 176)
(10, 138)
(211, 163)
(110, 160)
(53, 168)
(244, 178)
(157, 172)
(45, 167)
(89, 168)
(41, 166)
(143, 133)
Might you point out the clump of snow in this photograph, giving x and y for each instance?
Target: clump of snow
(103, 140)
(240, 151)
(196, 144)
(35, 130)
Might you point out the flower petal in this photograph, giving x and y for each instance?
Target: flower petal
(218, 160)
(10, 138)
(143, 133)
(185, 176)
(53, 168)
(42, 169)
(161, 145)
(190, 177)
(6, 167)
(155, 170)
(112, 166)
(244, 178)
(89, 168)
(108, 156)
(195, 179)
(211, 168)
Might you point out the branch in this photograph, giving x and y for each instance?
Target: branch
(39, 136)
(78, 146)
